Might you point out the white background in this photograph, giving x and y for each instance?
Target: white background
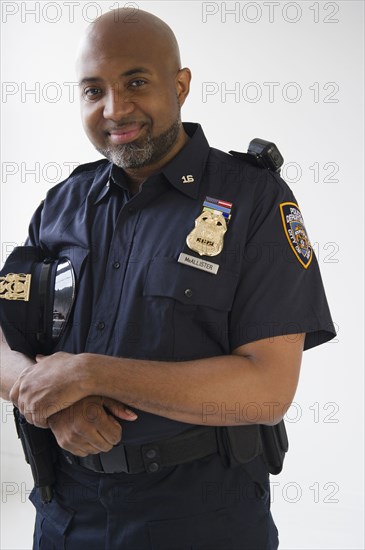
(312, 51)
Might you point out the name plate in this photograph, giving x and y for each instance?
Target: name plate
(192, 261)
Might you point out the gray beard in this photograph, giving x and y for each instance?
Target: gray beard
(149, 151)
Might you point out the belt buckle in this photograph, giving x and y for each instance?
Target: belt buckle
(115, 460)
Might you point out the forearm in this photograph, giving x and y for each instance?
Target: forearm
(12, 364)
(215, 391)
(255, 384)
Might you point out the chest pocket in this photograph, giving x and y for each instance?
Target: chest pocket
(190, 286)
(188, 309)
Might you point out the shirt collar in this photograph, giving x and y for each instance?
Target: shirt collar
(115, 177)
(184, 171)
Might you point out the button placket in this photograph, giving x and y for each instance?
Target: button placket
(107, 306)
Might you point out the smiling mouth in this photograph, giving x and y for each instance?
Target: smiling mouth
(125, 134)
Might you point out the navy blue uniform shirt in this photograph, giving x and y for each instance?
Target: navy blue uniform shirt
(134, 299)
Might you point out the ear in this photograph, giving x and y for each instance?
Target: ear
(182, 83)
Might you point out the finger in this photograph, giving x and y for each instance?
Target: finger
(38, 416)
(109, 428)
(98, 443)
(39, 357)
(90, 449)
(119, 409)
(82, 428)
(101, 431)
(88, 443)
(33, 417)
(78, 452)
(14, 393)
(81, 450)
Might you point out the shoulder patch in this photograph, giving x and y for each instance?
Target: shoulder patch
(295, 232)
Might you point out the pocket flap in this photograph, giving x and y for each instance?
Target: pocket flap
(167, 278)
(56, 514)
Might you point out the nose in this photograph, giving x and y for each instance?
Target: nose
(117, 104)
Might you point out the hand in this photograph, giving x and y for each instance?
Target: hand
(86, 428)
(53, 383)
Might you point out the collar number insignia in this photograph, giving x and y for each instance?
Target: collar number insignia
(295, 232)
(207, 236)
(15, 286)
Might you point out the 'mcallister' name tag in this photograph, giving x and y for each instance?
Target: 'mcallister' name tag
(186, 259)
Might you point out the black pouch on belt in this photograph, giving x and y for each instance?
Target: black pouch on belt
(239, 444)
(274, 446)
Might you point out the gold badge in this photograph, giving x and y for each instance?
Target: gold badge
(207, 237)
(15, 286)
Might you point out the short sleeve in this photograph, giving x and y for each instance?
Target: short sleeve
(280, 290)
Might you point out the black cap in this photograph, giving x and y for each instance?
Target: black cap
(36, 297)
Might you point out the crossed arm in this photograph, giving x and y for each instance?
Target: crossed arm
(256, 383)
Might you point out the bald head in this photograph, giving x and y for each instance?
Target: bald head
(125, 27)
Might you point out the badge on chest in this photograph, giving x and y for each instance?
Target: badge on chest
(207, 237)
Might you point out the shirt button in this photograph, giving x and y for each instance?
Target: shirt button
(100, 325)
(188, 293)
(151, 453)
(153, 467)
(116, 265)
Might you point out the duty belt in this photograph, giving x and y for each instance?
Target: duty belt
(151, 457)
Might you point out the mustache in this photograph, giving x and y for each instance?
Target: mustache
(125, 123)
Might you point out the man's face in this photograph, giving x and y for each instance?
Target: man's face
(130, 101)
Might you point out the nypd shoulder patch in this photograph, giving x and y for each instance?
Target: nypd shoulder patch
(295, 232)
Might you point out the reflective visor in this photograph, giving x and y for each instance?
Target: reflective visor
(64, 295)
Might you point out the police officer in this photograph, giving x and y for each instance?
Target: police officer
(196, 292)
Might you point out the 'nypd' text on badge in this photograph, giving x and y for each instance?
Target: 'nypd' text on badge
(296, 233)
(192, 261)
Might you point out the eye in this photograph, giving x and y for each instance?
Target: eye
(92, 93)
(137, 83)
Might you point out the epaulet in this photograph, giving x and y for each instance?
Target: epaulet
(263, 154)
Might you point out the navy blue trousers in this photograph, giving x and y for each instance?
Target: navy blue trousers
(201, 505)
